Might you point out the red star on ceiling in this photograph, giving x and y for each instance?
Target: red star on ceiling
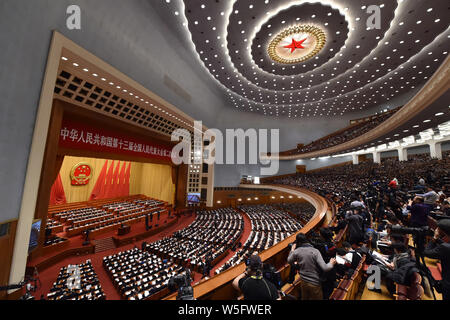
(296, 45)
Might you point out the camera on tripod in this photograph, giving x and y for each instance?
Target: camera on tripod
(400, 230)
(182, 284)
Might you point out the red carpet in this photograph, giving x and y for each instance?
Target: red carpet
(49, 275)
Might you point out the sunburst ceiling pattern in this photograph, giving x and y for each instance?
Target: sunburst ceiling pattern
(358, 68)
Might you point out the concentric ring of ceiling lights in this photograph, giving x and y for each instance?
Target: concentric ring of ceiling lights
(358, 68)
(308, 38)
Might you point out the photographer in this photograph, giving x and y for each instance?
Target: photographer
(310, 265)
(252, 283)
(439, 248)
(402, 267)
(182, 284)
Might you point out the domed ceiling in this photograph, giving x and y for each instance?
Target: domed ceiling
(316, 58)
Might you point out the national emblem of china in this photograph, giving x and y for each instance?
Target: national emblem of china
(81, 174)
(297, 44)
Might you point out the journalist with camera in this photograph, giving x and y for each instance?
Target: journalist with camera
(253, 284)
(182, 284)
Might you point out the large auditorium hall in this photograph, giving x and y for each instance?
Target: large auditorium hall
(251, 152)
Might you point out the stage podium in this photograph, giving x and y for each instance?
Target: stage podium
(123, 230)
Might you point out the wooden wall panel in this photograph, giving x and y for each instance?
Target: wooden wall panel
(6, 251)
(155, 181)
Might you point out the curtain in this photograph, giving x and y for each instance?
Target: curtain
(57, 194)
(100, 184)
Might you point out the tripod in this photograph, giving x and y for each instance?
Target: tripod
(419, 248)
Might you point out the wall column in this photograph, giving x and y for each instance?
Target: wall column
(435, 150)
(377, 157)
(402, 154)
(355, 159)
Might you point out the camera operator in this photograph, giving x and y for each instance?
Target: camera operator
(439, 248)
(182, 284)
(252, 283)
(310, 265)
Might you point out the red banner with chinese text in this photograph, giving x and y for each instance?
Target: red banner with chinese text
(75, 135)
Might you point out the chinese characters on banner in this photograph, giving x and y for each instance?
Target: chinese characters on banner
(76, 135)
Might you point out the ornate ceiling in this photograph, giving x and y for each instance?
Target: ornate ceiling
(315, 58)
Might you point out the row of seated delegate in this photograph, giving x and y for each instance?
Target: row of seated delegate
(77, 282)
(268, 218)
(150, 203)
(139, 274)
(54, 240)
(304, 211)
(124, 207)
(64, 216)
(114, 221)
(53, 224)
(269, 226)
(109, 214)
(223, 226)
(209, 237)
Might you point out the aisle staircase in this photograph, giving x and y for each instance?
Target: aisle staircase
(104, 245)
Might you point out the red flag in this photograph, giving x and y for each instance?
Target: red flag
(108, 183)
(100, 184)
(127, 181)
(114, 190)
(57, 194)
(120, 187)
